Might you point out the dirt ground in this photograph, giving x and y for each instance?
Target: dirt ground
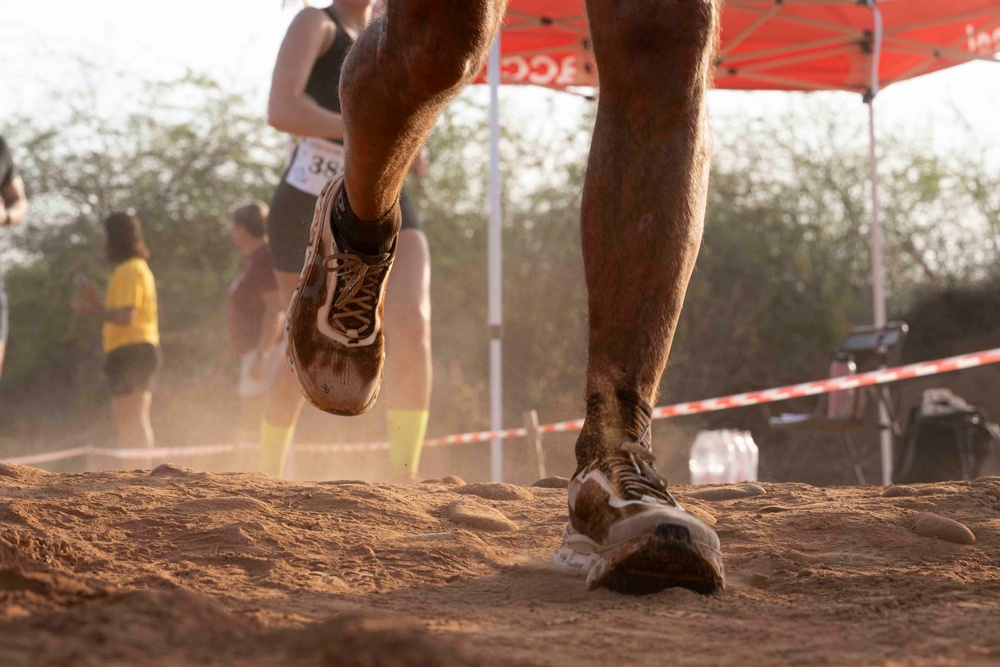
(178, 567)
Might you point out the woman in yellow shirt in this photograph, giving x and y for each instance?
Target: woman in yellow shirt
(131, 332)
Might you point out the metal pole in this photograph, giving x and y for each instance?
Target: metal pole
(495, 267)
(878, 274)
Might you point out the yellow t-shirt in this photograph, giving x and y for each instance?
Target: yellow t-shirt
(132, 286)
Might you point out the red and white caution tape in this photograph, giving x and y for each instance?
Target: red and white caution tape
(341, 447)
(48, 457)
(466, 438)
(171, 452)
(884, 376)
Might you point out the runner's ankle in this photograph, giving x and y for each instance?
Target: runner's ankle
(621, 416)
(368, 237)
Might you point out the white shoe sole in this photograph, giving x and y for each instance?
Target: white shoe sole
(665, 555)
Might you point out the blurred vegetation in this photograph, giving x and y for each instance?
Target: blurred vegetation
(783, 272)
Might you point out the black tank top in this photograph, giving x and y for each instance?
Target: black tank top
(324, 80)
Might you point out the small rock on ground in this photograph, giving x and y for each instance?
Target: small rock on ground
(929, 524)
(472, 514)
(174, 470)
(552, 483)
(897, 491)
(728, 492)
(496, 491)
(450, 480)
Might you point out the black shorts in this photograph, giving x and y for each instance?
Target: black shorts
(291, 216)
(132, 368)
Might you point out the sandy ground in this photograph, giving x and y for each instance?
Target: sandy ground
(179, 567)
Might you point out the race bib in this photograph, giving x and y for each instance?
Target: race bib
(316, 161)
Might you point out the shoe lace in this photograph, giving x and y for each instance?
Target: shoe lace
(634, 470)
(358, 289)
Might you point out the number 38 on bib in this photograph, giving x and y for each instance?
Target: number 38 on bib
(316, 161)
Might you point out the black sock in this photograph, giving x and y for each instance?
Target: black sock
(368, 237)
(611, 420)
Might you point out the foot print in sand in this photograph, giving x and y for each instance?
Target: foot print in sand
(357, 577)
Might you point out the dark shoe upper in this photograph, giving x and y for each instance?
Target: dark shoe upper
(622, 483)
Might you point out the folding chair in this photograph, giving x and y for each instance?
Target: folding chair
(871, 348)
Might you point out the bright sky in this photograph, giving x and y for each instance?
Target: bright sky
(235, 41)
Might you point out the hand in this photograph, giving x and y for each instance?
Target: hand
(81, 307)
(422, 163)
(86, 289)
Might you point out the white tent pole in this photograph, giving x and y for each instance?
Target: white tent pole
(878, 273)
(494, 266)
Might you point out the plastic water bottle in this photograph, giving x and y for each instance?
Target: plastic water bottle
(712, 458)
(751, 456)
(740, 468)
(840, 404)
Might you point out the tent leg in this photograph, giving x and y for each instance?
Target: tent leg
(878, 290)
(495, 267)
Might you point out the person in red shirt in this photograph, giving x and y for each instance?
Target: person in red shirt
(255, 312)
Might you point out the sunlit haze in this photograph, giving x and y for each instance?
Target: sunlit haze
(235, 42)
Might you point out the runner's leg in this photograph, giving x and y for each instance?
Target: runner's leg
(130, 413)
(283, 403)
(644, 200)
(408, 341)
(403, 70)
(4, 323)
(642, 216)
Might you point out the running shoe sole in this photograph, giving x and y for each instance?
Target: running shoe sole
(666, 557)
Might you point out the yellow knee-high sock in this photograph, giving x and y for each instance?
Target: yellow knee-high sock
(406, 438)
(274, 442)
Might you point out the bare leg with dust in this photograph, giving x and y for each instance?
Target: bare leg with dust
(408, 361)
(399, 75)
(283, 403)
(643, 202)
(405, 67)
(133, 427)
(642, 215)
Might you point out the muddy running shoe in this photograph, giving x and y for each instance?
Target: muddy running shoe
(627, 532)
(335, 343)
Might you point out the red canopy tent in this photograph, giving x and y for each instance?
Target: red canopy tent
(773, 44)
(802, 45)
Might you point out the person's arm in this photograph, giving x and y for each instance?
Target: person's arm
(289, 108)
(13, 202)
(271, 327)
(120, 316)
(272, 322)
(125, 294)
